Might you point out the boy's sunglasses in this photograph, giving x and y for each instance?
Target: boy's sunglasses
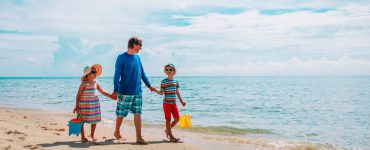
(170, 69)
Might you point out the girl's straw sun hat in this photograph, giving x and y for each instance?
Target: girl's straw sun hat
(97, 68)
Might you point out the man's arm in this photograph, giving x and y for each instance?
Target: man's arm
(117, 76)
(145, 79)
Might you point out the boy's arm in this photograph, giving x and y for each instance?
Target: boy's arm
(78, 97)
(161, 89)
(179, 96)
(160, 92)
(102, 91)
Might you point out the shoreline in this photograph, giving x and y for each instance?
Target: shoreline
(27, 128)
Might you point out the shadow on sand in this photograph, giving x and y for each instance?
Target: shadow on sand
(78, 144)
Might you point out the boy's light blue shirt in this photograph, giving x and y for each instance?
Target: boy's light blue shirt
(128, 75)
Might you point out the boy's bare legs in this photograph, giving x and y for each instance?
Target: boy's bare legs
(169, 131)
(137, 121)
(93, 127)
(83, 138)
(174, 122)
(117, 133)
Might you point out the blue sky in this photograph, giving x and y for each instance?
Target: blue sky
(202, 38)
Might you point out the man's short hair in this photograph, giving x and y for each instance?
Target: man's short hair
(134, 41)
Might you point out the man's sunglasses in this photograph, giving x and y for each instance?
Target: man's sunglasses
(170, 69)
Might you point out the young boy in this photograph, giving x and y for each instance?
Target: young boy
(170, 89)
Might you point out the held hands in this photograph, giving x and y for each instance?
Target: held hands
(155, 90)
(152, 89)
(114, 95)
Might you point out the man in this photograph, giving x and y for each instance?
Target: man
(127, 85)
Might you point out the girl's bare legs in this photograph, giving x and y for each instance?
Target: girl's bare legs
(93, 127)
(83, 138)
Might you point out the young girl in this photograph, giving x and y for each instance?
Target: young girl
(87, 101)
(170, 89)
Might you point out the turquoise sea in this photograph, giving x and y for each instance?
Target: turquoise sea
(328, 110)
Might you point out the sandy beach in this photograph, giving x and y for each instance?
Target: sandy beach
(40, 129)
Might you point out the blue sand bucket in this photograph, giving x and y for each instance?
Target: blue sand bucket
(75, 126)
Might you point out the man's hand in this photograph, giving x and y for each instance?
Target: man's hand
(152, 89)
(114, 95)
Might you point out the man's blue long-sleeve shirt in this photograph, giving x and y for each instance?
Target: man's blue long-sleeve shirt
(128, 75)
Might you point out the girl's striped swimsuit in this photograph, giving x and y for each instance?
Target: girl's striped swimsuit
(89, 104)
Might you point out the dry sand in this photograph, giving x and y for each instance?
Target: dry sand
(40, 129)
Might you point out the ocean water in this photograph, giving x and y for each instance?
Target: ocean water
(332, 110)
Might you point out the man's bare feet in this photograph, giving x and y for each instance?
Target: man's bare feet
(118, 136)
(141, 141)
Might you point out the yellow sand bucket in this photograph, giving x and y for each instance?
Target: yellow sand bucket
(184, 121)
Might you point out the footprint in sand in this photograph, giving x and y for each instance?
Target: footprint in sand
(61, 129)
(22, 138)
(31, 146)
(6, 147)
(45, 128)
(14, 132)
(17, 133)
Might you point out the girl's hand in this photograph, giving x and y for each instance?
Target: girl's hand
(77, 109)
(114, 95)
(111, 96)
(183, 104)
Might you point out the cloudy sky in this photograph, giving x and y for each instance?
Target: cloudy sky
(202, 38)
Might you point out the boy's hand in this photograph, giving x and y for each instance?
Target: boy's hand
(77, 109)
(183, 104)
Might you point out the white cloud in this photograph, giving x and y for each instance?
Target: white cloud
(211, 39)
(292, 67)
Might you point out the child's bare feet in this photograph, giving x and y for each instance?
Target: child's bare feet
(141, 141)
(174, 140)
(84, 140)
(93, 138)
(168, 136)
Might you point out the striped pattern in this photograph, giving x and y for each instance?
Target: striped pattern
(169, 88)
(89, 104)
